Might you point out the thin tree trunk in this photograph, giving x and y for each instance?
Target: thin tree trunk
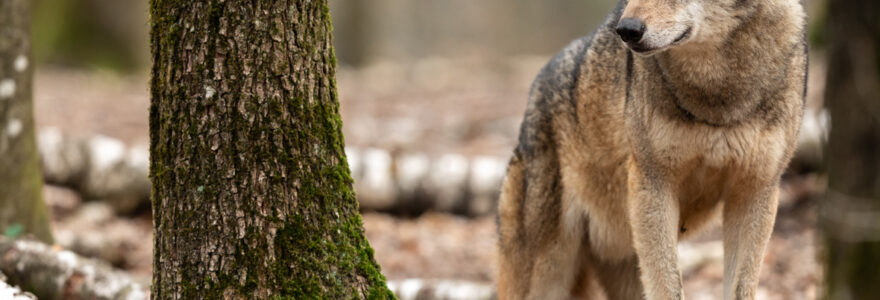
(252, 194)
(851, 212)
(21, 204)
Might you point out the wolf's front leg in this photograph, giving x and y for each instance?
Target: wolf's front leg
(654, 213)
(748, 223)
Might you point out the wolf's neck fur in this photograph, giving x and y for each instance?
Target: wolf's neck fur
(723, 82)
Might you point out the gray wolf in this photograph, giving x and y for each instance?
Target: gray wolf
(670, 117)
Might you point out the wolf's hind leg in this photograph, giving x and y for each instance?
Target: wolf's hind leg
(540, 268)
(586, 284)
(620, 280)
(539, 257)
(555, 270)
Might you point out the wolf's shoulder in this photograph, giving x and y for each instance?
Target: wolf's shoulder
(551, 94)
(560, 74)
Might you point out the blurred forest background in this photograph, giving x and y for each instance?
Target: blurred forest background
(432, 94)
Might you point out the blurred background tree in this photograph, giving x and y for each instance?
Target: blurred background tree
(851, 213)
(22, 210)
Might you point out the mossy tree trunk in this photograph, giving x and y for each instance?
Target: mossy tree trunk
(851, 212)
(21, 203)
(252, 196)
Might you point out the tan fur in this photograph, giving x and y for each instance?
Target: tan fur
(622, 155)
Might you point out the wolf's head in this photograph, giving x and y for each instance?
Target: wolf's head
(651, 26)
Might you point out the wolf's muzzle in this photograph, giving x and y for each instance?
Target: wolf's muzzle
(631, 30)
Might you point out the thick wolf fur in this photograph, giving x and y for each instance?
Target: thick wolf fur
(623, 154)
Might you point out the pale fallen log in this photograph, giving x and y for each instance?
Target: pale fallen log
(103, 168)
(421, 289)
(410, 183)
(95, 232)
(417, 182)
(10, 292)
(52, 273)
(98, 167)
(811, 139)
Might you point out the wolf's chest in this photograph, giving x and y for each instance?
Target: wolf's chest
(677, 144)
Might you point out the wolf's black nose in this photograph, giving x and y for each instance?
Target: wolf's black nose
(631, 30)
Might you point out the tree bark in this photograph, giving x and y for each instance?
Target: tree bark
(252, 195)
(851, 212)
(21, 204)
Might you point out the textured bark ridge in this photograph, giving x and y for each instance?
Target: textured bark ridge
(252, 194)
(21, 205)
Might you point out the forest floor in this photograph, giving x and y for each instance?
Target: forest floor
(442, 246)
(434, 106)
